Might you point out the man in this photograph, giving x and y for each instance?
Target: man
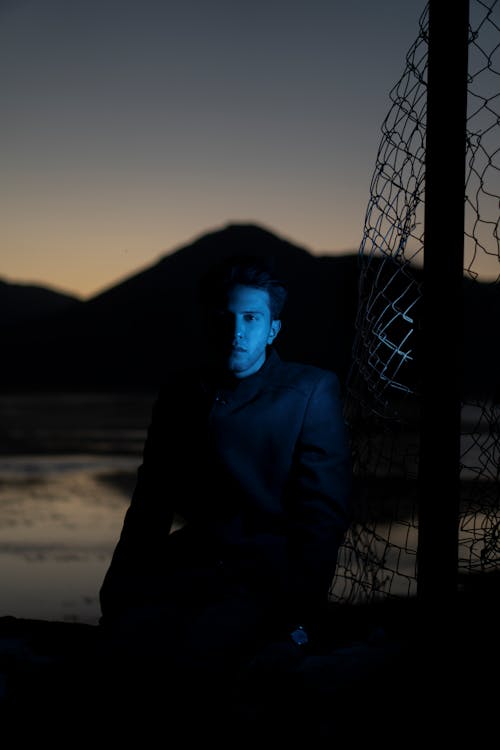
(241, 503)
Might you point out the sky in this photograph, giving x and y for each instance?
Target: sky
(130, 128)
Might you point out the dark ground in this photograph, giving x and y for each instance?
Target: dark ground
(394, 670)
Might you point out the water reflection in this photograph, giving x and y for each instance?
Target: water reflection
(60, 517)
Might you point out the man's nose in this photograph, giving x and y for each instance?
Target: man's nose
(238, 331)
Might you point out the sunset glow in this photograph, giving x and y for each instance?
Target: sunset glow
(132, 128)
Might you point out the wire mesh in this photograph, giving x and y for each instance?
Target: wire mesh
(379, 557)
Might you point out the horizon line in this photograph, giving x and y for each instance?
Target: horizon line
(85, 297)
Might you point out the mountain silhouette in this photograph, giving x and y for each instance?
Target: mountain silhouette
(129, 336)
(29, 302)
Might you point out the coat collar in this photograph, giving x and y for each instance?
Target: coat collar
(231, 390)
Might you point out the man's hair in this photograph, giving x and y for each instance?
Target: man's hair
(245, 271)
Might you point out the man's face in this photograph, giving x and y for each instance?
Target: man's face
(244, 329)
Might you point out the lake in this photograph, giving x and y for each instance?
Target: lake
(68, 464)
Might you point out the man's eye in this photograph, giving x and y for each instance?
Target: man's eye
(250, 317)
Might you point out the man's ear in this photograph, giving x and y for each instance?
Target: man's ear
(275, 329)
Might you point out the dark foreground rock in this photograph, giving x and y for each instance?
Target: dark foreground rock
(375, 668)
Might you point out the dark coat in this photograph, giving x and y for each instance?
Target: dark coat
(258, 470)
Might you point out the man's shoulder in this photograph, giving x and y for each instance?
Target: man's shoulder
(292, 373)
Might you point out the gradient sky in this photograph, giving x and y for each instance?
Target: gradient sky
(132, 127)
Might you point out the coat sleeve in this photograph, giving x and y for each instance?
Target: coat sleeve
(321, 488)
(147, 523)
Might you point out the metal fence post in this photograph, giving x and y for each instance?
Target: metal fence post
(441, 322)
